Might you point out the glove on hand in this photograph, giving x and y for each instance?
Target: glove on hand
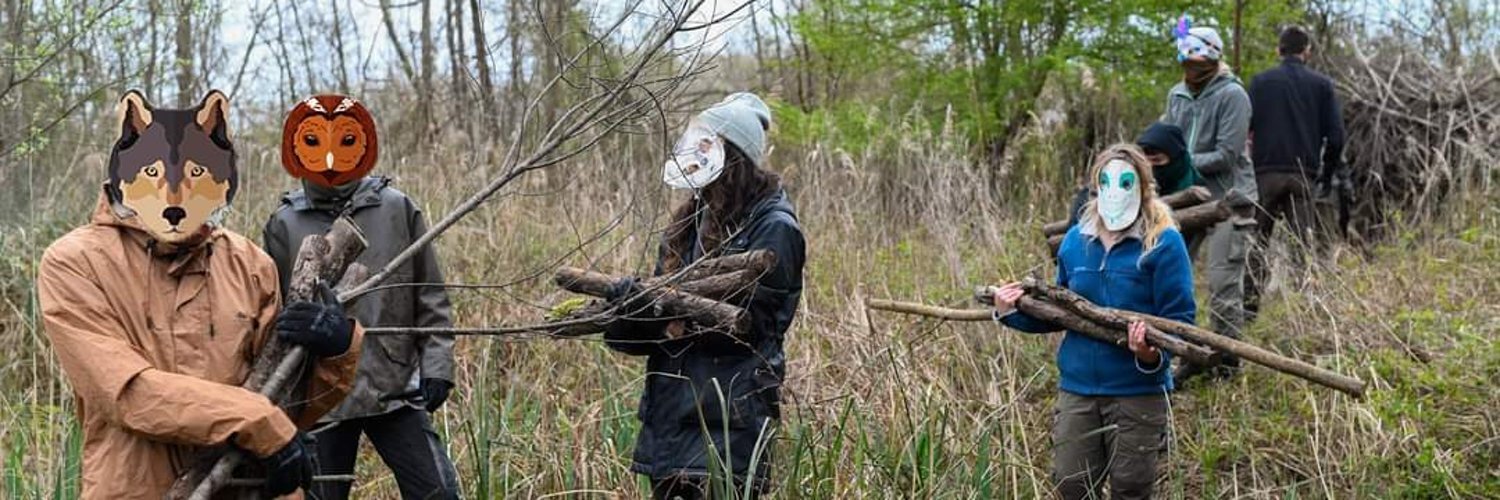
(291, 467)
(320, 326)
(435, 392)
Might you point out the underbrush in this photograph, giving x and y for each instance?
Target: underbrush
(877, 405)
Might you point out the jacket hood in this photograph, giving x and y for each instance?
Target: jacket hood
(1225, 78)
(778, 201)
(1164, 137)
(362, 193)
(107, 213)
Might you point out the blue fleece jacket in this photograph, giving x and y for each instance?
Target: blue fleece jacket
(1161, 284)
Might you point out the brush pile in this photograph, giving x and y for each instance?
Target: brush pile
(1417, 128)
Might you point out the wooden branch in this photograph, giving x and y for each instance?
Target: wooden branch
(1349, 385)
(1117, 330)
(735, 274)
(1043, 311)
(320, 259)
(706, 312)
(757, 261)
(1182, 199)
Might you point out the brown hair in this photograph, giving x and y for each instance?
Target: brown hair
(718, 210)
(1155, 217)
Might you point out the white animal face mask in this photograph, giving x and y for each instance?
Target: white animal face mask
(697, 160)
(1119, 195)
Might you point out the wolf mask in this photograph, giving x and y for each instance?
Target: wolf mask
(173, 169)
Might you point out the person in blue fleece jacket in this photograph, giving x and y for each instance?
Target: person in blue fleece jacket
(1125, 253)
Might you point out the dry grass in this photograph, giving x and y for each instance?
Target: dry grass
(878, 406)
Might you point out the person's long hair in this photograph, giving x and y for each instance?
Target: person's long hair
(720, 208)
(1155, 216)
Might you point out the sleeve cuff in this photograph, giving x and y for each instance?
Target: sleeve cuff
(1000, 317)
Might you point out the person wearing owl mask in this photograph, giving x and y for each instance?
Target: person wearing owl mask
(156, 313)
(329, 144)
(1125, 253)
(709, 392)
(1211, 106)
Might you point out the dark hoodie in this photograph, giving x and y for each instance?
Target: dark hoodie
(710, 392)
(1178, 174)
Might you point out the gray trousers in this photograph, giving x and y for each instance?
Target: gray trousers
(1098, 440)
(1226, 250)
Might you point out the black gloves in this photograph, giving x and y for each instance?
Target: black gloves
(321, 326)
(291, 467)
(435, 392)
(621, 288)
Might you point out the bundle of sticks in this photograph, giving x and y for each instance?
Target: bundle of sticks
(702, 292)
(1192, 208)
(1068, 310)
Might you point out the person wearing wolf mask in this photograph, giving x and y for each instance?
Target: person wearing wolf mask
(708, 392)
(1110, 421)
(329, 143)
(157, 312)
(1211, 106)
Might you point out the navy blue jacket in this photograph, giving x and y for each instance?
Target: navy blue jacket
(1296, 124)
(1161, 284)
(698, 384)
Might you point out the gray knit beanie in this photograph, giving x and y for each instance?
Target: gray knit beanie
(742, 119)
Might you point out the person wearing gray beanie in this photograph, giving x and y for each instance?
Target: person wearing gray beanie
(712, 397)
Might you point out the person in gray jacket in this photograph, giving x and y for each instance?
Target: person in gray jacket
(401, 378)
(1211, 106)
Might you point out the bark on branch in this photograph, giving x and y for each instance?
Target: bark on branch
(1072, 301)
(281, 366)
(672, 303)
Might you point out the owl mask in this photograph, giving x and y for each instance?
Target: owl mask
(329, 140)
(1119, 195)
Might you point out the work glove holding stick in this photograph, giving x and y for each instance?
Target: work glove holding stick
(291, 467)
(435, 392)
(625, 294)
(321, 327)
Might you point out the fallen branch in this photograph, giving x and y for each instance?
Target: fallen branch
(1046, 312)
(672, 303)
(320, 259)
(1072, 301)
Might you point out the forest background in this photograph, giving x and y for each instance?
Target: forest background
(924, 143)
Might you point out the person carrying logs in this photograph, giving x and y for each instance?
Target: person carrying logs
(1211, 106)
(709, 392)
(1111, 410)
(157, 314)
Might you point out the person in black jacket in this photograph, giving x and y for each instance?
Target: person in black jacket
(712, 399)
(1297, 142)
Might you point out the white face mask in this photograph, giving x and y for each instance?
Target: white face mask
(1119, 195)
(697, 160)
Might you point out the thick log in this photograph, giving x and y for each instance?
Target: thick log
(1182, 199)
(673, 303)
(1066, 298)
(1043, 311)
(1118, 330)
(757, 261)
(737, 274)
(320, 259)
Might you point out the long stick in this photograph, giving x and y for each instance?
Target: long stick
(1349, 385)
(1046, 312)
(1059, 314)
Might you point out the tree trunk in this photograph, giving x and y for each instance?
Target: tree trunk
(482, 67)
(395, 38)
(425, 88)
(184, 59)
(338, 47)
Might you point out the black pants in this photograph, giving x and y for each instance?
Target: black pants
(1284, 196)
(695, 488)
(406, 442)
